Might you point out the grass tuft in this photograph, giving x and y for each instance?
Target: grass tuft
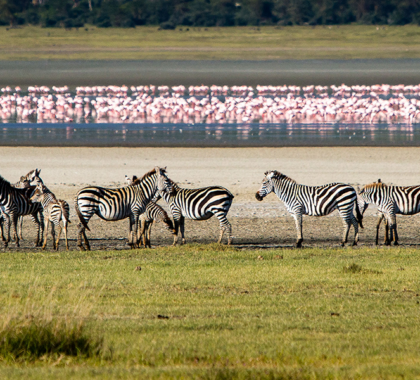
(355, 268)
(33, 338)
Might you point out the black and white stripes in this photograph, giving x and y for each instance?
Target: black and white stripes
(14, 203)
(199, 204)
(391, 200)
(314, 201)
(116, 204)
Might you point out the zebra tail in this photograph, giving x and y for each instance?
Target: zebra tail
(64, 211)
(359, 215)
(79, 214)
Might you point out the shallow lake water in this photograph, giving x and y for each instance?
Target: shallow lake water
(209, 135)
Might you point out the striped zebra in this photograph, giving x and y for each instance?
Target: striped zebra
(23, 183)
(153, 214)
(199, 204)
(14, 203)
(117, 204)
(314, 201)
(54, 211)
(391, 200)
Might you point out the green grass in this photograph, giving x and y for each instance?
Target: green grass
(218, 313)
(297, 42)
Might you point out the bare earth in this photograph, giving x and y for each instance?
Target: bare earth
(255, 224)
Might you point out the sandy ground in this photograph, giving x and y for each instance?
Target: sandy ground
(267, 223)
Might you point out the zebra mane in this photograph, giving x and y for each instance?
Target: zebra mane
(148, 174)
(278, 175)
(374, 185)
(5, 182)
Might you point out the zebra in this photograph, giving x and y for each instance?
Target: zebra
(54, 211)
(153, 213)
(381, 217)
(314, 201)
(199, 204)
(118, 204)
(391, 200)
(14, 203)
(23, 183)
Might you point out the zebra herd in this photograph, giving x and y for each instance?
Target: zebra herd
(138, 202)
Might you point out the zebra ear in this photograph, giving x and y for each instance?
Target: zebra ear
(157, 170)
(134, 178)
(379, 180)
(37, 171)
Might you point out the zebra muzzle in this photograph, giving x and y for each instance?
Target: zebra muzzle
(258, 196)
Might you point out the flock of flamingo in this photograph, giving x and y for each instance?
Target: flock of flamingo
(215, 104)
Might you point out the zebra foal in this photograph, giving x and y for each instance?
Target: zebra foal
(54, 211)
(199, 204)
(117, 204)
(314, 201)
(153, 214)
(390, 200)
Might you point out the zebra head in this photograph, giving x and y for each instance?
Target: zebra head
(38, 194)
(267, 185)
(361, 203)
(34, 178)
(23, 183)
(164, 184)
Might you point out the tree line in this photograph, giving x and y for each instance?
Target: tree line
(170, 13)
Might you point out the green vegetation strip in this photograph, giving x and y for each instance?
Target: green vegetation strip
(214, 312)
(233, 43)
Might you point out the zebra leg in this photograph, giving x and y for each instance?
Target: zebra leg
(65, 234)
(20, 225)
(182, 228)
(224, 226)
(356, 230)
(132, 232)
(176, 228)
(6, 229)
(142, 228)
(86, 240)
(57, 241)
(386, 237)
(14, 226)
(378, 224)
(1, 227)
(148, 233)
(346, 225)
(79, 237)
(298, 221)
(46, 222)
(393, 236)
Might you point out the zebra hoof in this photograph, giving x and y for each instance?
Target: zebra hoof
(396, 243)
(354, 243)
(387, 243)
(299, 244)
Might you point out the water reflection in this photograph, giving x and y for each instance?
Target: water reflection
(247, 134)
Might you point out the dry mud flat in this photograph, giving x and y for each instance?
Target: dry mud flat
(255, 224)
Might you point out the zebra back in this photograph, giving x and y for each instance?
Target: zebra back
(405, 199)
(198, 203)
(17, 200)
